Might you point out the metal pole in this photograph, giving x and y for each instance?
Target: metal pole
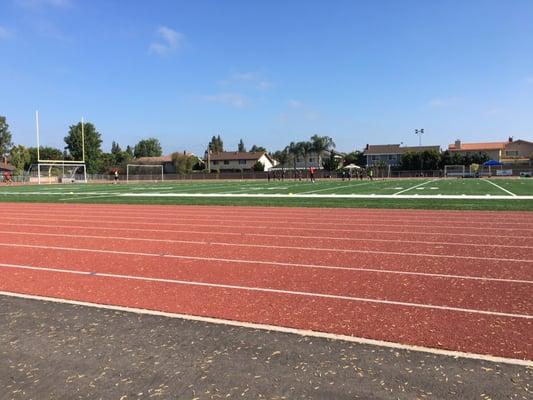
(82, 142)
(37, 131)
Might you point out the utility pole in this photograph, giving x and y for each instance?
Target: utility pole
(420, 132)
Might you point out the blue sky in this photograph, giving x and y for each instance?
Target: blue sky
(269, 72)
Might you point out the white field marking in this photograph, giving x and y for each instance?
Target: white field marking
(293, 196)
(244, 234)
(269, 290)
(307, 266)
(499, 187)
(332, 196)
(484, 229)
(354, 185)
(87, 197)
(209, 242)
(280, 329)
(413, 187)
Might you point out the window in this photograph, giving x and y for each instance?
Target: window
(298, 160)
(374, 158)
(311, 159)
(511, 153)
(391, 157)
(242, 162)
(226, 162)
(215, 162)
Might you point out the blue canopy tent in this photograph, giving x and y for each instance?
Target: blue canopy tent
(490, 164)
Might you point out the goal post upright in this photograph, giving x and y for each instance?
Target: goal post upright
(59, 163)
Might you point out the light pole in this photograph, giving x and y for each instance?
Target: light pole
(419, 132)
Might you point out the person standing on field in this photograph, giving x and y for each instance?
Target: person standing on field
(116, 177)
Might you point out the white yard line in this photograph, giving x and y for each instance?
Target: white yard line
(499, 187)
(273, 328)
(269, 290)
(413, 187)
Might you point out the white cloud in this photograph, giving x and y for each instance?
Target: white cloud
(295, 103)
(247, 79)
(169, 40)
(231, 99)
(4, 33)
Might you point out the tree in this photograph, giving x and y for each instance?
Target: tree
(356, 158)
(148, 148)
(294, 151)
(241, 147)
(93, 144)
(183, 162)
(331, 163)
(115, 148)
(282, 156)
(257, 149)
(321, 144)
(258, 166)
(5, 137)
(20, 158)
(129, 150)
(304, 149)
(45, 153)
(216, 145)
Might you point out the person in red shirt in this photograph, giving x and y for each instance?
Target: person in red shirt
(312, 174)
(7, 177)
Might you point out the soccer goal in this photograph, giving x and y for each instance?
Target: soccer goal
(58, 171)
(144, 172)
(454, 171)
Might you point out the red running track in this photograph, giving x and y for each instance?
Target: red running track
(428, 278)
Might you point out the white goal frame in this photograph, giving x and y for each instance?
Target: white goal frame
(458, 170)
(60, 163)
(64, 177)
(157, 166)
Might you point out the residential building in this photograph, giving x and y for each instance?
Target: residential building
(238, 161)
(165, 161)
(310, 161)
(510, 151)
(391, 154)
(5, 166)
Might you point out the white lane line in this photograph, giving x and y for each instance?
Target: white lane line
(270, 263)
(326, 249)
(312, 226)
(499, 187)
(413, 187)
(74, 198)
(241, 235)
(280, 329)
(269, 290)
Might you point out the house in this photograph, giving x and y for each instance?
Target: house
(238, 161)
(511, 151)
(165, 161)
(391, 154)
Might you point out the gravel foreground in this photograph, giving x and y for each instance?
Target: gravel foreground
(61, 351)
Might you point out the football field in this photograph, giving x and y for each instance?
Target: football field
(484, 194)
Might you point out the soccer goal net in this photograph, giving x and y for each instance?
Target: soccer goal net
(57, 172)
(143, 172)
(454, 171)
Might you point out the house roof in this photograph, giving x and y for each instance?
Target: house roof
(396, 149)
(478, 146)
(237, 155)
(6, 166)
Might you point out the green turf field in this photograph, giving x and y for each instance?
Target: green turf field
(483, 194)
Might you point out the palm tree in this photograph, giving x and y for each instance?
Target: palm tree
(321, 144)
(293, 150)
(304, 149)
